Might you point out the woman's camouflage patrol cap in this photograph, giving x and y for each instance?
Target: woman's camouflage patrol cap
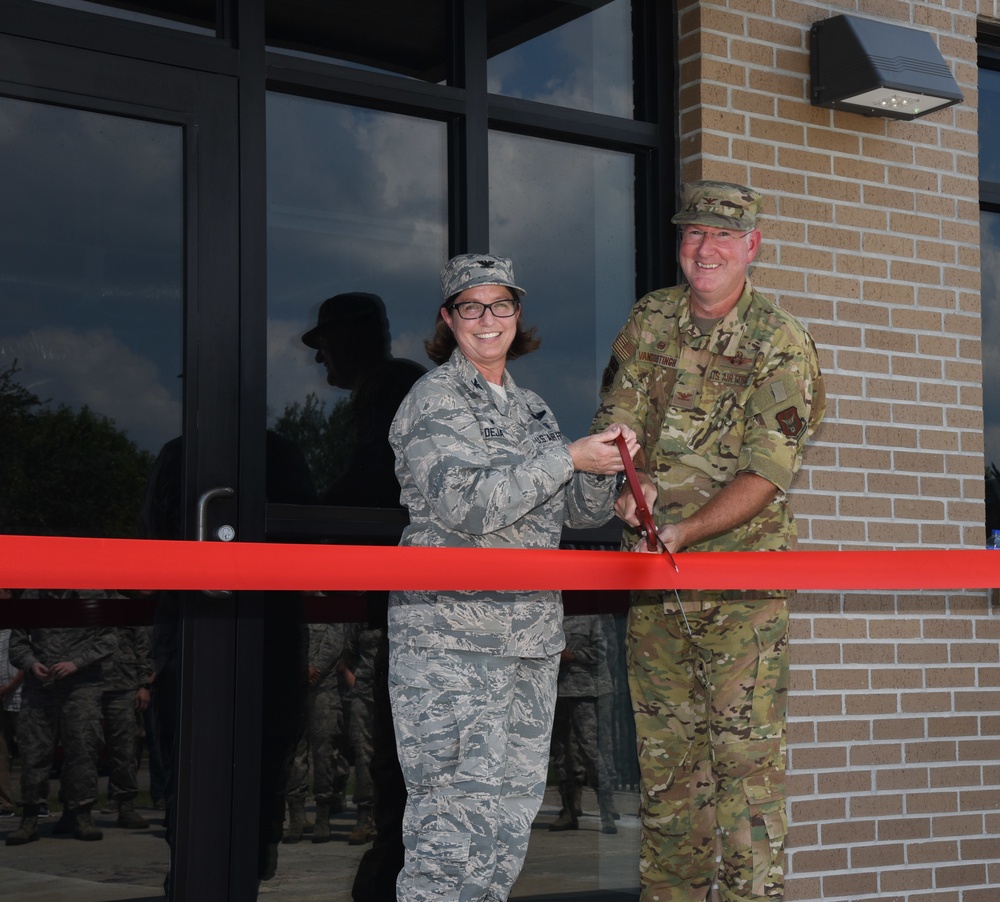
(721, 205)
(470, 270)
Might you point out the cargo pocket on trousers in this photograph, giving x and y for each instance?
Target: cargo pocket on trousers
(667, 806)
(443, 857)
(770, 694)
(768, 825)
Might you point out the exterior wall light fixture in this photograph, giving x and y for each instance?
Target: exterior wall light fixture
(878, 69)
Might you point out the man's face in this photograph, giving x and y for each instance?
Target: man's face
(715, 261)
(333, 355)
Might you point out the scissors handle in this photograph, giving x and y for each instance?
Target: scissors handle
(645, 518)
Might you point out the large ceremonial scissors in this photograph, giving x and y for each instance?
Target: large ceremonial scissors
(646, 526)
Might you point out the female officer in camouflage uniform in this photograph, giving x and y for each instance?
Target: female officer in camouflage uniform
(472, 675)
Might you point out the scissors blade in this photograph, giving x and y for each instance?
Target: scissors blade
(664, 550)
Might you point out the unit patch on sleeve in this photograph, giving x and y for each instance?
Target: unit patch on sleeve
(789, 422)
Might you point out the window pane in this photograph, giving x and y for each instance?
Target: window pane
(989, 127)
(990, 249)
(565, 215)
(91, 310)
(356, 203)
(185, 15)
(569, 56)
(91, 282)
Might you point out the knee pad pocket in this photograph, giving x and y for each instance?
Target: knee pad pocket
(765, 794)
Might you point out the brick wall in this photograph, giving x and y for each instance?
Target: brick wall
(872, 238)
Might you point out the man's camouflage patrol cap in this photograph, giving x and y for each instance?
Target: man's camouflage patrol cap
(721, 205)
(470, 270)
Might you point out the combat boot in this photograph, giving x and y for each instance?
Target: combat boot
(65, 825)
(321, 823)
(296, 821)
(129, 818)
(567, 819)
(84, 827)
(609, 815)
(578, 801)
(364, 832)
(28, 831)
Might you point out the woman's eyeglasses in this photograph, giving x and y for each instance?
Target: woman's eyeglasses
(474, 310)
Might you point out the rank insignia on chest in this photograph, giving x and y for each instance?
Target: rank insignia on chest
(683, 399)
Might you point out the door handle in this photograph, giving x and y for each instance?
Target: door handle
(204, 500)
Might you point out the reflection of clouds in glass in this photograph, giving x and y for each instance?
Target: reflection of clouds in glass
(564, 214)
(95, 369)
(292, 370)
(410, 345)
(585, 64)
(92, 274)
(357, 201)
(83, 177)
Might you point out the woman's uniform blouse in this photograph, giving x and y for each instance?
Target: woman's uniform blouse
(476, 471)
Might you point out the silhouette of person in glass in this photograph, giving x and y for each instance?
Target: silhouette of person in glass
(352, 340)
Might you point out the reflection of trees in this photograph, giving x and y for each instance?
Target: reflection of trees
(65, 472)
(324, 438)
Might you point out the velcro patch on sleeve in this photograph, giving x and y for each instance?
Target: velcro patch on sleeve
(780, 406)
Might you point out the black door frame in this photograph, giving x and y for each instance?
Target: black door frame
(206, 863)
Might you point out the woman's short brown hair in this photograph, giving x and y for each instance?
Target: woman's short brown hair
(440, 345)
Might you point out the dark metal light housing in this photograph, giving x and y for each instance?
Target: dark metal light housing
(878, 69)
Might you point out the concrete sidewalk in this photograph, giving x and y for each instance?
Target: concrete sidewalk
(583, 865)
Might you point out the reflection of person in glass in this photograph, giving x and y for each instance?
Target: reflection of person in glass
(472, 675)
(61, 702)
(581, 739)
(353, 341)
(10, 705)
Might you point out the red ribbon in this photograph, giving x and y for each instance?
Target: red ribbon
(35, 562)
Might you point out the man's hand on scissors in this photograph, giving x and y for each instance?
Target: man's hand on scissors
(625, 505)
(669, 535)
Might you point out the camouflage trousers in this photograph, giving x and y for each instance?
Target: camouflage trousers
(710, 708)
(323, 742)
(582, 745)
(360, 723)
(121, 738)
(69, 712)
(473, 734)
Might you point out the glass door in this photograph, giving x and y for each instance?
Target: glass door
(119, 416)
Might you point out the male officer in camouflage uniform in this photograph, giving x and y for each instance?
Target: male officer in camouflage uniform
(61, 700)
(723, 389)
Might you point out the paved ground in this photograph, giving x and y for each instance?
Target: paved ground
(130, 865)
